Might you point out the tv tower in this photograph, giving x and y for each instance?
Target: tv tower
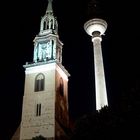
(96, 27)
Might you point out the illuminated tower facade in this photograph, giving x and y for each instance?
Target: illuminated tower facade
(96, 27)
(45, 102)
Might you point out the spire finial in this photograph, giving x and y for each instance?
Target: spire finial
(49, 7)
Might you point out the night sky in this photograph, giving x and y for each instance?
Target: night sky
(120, 46)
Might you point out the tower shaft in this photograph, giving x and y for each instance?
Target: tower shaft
(100, 85)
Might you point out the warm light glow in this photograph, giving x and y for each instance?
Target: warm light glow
(40, 68)
(46, 67)
(60, 71)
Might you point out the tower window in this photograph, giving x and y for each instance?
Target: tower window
(61, 87)
(39, 82)
(44, 25)
(47, 23)
(38, 110)
(52, 24)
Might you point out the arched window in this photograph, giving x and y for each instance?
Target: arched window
(52, 57)
(38, 110)
(52, 24)
(39, 82)
(44, 25)
(47, 24)
(61, 87)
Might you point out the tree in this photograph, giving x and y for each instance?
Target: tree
(104, 124)
(119, 122)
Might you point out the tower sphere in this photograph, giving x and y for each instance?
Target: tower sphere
(95, 25)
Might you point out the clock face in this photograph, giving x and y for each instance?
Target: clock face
(42, 45)
(44, 50)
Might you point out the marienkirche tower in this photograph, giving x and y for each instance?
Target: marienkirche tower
(45, 102)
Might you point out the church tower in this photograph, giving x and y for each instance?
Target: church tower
(45, 108)
(96, 27)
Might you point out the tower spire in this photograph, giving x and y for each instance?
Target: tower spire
(49, 7)
(48, 22)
